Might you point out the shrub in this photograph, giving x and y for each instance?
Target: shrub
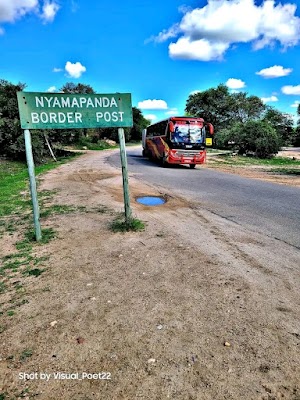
(253, 137)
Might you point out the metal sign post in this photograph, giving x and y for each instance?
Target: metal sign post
(128, 213)
(66, 111)
(32, 181)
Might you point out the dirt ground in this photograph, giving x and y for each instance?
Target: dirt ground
(193, 307)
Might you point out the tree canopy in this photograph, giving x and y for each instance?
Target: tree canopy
(235, 115)
(11, 135)
(222, 108)
(80, 88)
(282, 123)
(297, 130)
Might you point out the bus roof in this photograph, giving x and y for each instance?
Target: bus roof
(176, 118)
(186, 118)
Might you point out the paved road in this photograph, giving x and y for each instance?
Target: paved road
(267, 208)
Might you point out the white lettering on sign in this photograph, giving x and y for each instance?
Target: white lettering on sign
(65, 101)
(72, 102)
(60, 118)
(107, 116)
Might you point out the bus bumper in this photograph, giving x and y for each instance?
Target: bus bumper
(186, 157)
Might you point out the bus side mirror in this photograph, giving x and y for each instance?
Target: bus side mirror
(171, 127)
(210, 128)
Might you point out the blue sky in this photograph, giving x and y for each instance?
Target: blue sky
(159, 51)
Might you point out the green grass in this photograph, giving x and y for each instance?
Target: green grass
(10, 313)
(2, 287)
(14, 194)
(16, 216)
(56, 209)
(15, 264)
(27, 353)
(121, 225)
(47, 235)
(14, 181)
(34, 272)
(245, 161)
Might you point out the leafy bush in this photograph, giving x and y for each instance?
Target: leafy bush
(12, 144)
(223, 139)
(253, 137)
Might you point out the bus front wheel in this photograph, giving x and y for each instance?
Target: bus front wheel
(163, 162)
(192, 166)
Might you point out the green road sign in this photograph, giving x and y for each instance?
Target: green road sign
(63, 110)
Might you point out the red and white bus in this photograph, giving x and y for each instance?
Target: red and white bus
(178, 140)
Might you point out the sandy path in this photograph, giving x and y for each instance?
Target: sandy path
(153, 309)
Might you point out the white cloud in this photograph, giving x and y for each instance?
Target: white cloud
(49, 11)
(269, 99)
(12, 10)
(291, 89)
(274, 72)
(167, 34)
(150, 117)
(194, 92)
(74, 70)
(207, 33)
(201, 50)
(295, 104)
(172, 111)
(57, 69)
(52, 89)
(152, 105)
(233, 83)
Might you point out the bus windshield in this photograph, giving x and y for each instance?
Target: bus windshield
(189, 134)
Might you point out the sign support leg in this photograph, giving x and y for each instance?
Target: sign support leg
(33, 191)
(128, 214)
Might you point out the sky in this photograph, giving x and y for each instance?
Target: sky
(159, 51)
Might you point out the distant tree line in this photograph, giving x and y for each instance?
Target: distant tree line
(243, 122)
(11, 135)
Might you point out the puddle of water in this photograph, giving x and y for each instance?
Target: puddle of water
(151, 200)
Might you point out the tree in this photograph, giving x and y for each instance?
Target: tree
(71, 136)
(296, 140)
(139, 123)
(134, 133)
(222, 108)
(247, 108)
(252, 137)
(212, 105)
(80, 88)
(11, 135)
(282, 123)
